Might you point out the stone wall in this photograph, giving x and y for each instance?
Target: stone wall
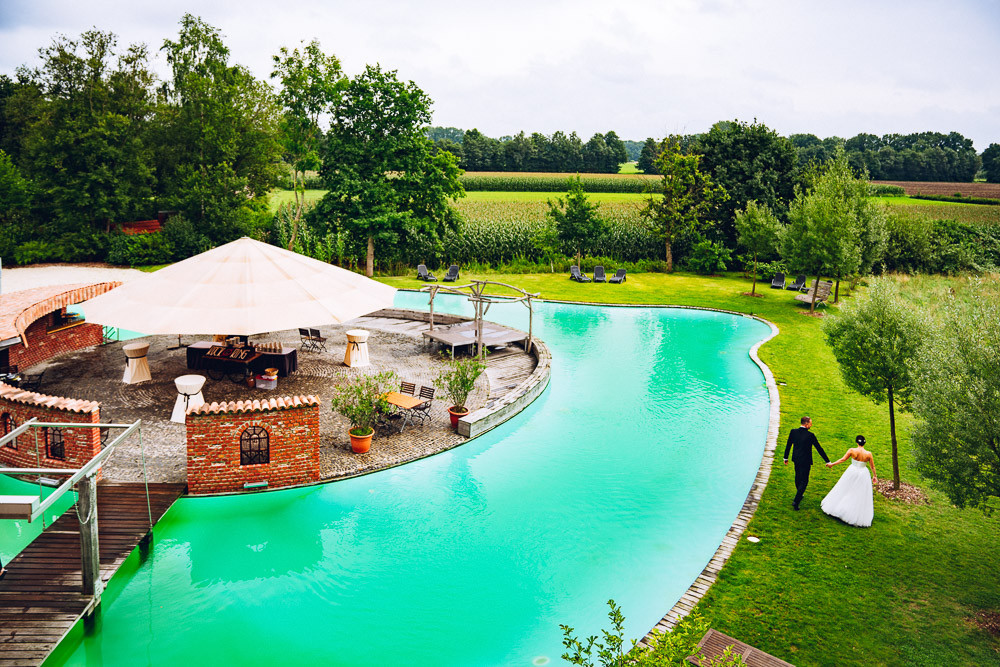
(213, 444)
(79, 444)
(42, 345)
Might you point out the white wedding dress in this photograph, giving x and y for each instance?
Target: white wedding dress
(850, 500)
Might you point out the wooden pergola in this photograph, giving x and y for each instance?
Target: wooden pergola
(481, 299)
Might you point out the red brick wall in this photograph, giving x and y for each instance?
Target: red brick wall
(43, 345)
(213, 449)
(81, 444)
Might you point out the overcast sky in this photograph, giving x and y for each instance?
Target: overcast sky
(638, 67)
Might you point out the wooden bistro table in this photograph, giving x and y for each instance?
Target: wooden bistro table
(405, 403)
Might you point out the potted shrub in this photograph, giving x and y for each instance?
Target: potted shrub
(457, 381)
(361, 399)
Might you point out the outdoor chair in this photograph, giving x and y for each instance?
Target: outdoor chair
(822, 293)
(452, 274)
(618, 278)
(407, 388)
(574, 274)
(423, 274)
(423, 411)
(599, 276)
(798, 285)
(778, 281)
(318, 340)
(32, 382)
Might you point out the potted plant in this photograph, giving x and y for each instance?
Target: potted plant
(457, 381)
(361, 399)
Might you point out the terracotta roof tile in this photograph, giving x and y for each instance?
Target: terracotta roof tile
(43, 400)
(255, 405)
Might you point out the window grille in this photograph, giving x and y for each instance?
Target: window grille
(54, 446)
(8, 424)
(255, 446)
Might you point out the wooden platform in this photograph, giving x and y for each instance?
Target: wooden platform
(714, 644)
(506, 369)
(457, 335)
(40, 598)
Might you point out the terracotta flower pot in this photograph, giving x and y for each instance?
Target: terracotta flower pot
(456, 413)
(361, 443)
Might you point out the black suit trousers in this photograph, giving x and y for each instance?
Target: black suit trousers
(801, 480)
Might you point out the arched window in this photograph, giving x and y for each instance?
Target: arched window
(7, 424)
(54, 446)
(255, 446)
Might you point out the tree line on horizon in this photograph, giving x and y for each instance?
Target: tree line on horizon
(920, 156)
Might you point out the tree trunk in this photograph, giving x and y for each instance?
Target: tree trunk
(670, 257)
(370, 259)
(892, 433)
(812, 304)
(836, 290)
(753, 288)
(298, 205)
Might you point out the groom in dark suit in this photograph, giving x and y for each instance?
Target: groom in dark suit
(801, 442)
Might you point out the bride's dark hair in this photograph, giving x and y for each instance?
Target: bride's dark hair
(860, 440)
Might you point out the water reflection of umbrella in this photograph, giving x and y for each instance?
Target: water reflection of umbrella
(244, 287)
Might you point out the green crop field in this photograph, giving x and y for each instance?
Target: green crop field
(973, 214)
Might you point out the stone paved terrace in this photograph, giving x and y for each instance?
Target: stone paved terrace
(395, 344)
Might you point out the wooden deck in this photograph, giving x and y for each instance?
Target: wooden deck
(41, 599)
(714, 644)
(506, 369)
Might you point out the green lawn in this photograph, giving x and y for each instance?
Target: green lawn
(815, 591)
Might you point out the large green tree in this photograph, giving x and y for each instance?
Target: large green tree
(685, 199)
(577, 222)
(647, 157)
(759, 231)
(218, 144)
(751, 162)
(991, 163)
(310, 82)
(875, 341)
(956, 401)
(384, 180)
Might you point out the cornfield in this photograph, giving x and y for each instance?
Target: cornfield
(501, 181)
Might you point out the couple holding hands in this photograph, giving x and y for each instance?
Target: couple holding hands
(850, 500)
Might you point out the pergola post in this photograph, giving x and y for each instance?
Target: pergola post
(433, 291)
(90, 555)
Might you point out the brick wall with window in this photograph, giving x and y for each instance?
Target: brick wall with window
(248, 442)
(57, 448)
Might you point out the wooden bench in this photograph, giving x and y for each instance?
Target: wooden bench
(714, 644)
(821, 295)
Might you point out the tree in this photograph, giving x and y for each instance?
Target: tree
(686, 197)
(617, 153)
(384, 180)
(219, 146)
(759, 230)
(956, 399)
(647, 157)
(991, 163)
(15, 191)
(875, 341)
(310, 81)
(751, 162)
(576, 220)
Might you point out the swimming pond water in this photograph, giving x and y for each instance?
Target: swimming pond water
(15, 535)
(618, 482)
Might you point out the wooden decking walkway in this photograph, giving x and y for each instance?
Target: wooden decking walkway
(40, 598)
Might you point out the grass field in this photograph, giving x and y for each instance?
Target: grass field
(976, 214)
(815, 591)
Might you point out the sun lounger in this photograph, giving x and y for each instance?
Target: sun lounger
(798, 285)
(778, 282)
(599, 276)
(452, 274)
(618, 278)
(422, 273)
(574, 274)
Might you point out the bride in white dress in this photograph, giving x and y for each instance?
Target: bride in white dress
(850, 500)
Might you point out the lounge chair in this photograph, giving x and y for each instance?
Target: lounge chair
(452, 274)
(574, 274)
(618, 278)
(798, 285)
(599, 276)
(822, 293)
(423, 411)
(422, 274)
(778, 281)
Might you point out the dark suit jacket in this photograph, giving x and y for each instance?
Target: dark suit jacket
(801, 442)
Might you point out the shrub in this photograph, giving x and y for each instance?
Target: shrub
(184, 238)
(459, 378)
(361, 398)
(139, 249)
(958, 198)
(31, 252)
(708, 257)
(887, 190)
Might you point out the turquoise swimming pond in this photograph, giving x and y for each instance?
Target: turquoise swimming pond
(15, 535)
(618, 482)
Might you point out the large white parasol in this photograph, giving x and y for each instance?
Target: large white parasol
(244, 287)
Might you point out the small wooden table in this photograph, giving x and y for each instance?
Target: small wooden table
(405, 403)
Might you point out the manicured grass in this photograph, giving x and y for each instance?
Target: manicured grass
(815, 591)
(279, 197)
